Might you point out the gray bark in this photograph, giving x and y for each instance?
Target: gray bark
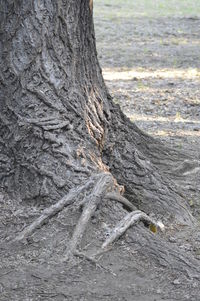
(58, 124)
(52, 97)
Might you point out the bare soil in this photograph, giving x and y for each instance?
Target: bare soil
(151, 66)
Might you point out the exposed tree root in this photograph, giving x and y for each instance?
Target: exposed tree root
(119, 198)
(129, 220)
(102, 183)
(91, 204)
(54, 209)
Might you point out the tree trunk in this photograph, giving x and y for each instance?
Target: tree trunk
(64, 142)
(58, 124)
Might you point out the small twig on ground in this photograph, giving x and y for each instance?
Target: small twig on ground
(93, 261)
(100, 253)
(6, 273)
(85, 256)
(129, 220)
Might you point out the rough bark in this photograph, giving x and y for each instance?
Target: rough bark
(58, 124)
(52, 98)
(64, 142)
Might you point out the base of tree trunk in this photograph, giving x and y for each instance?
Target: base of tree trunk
(66, 147)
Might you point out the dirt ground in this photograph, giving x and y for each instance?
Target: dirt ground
(151, 63)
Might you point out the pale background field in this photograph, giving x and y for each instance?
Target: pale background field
(115, 9)
(150, 54)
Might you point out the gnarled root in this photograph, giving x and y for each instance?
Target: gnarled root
(54, 209)
(129, 220)
(113, 196)
(91, 203)
(103, 187)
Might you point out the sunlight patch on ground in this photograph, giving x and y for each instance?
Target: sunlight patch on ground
(131, 74)
(176, 119)
(178, 133)
(168, 132)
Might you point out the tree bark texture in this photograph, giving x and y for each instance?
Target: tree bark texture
(58, 124)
